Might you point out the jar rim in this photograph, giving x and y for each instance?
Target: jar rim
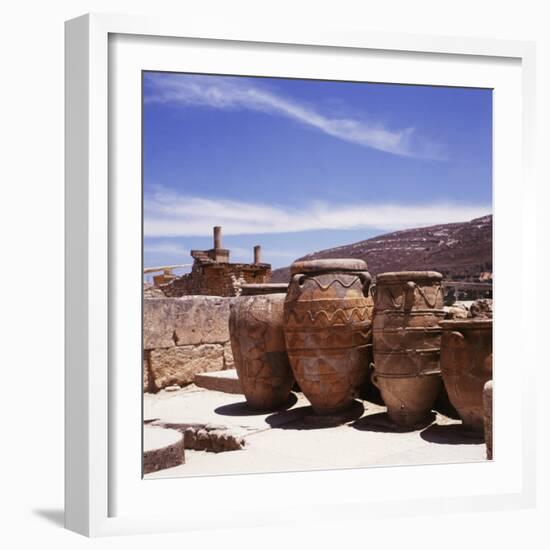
(473, 323)
(398, 276)
(327, 265)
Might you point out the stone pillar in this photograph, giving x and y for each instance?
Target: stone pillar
(217, 237)
(257, 254)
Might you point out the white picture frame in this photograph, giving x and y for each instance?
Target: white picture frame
(103, 498)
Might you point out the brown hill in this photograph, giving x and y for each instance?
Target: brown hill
(460, 251)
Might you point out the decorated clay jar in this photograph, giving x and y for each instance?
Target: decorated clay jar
(327, 325)
(408, 307)
(258, 345)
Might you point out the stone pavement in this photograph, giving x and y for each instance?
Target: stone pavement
(293, 439)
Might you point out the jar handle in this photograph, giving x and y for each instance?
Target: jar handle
(365, 279)
(297, 278)
(457, 338)
(455, 353)
(410, 287)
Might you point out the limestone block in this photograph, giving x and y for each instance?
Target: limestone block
(185, 321)
(158, 323)
(225, 381)
(201, 320)
(178, 365)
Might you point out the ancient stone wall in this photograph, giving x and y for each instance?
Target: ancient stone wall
(182, 337)
(217, 279)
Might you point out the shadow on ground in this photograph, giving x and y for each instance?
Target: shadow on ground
(241, 408)
(56, 517)
(304, 418)
(451, 434)
(381, 422)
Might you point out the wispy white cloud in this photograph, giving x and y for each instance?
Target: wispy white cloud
(165, 248)
(169, 214)
(234, 93)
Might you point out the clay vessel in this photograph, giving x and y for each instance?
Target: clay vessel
(327, 324)
(488, 417)
(258, 345)
(466, 364)
(408, 307)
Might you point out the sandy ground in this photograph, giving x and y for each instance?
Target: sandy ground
(292, 439)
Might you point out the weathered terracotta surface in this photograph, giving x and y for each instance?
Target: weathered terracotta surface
(408, 307)
(488, 417)
(258, 344)
(327, 324)
(466, 364)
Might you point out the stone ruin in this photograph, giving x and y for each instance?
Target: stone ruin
(212, 274)
(183, 337)
(187, 342)
(467, 291)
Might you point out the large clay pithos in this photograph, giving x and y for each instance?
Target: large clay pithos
(466, 365)
(327, 325)
(408, 307)
(258, 345)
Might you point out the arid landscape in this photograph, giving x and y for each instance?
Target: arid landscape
(459, 251)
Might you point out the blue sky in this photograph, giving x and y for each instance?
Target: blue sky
(302, 165)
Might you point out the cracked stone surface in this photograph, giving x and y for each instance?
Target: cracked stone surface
(293, 439)
(189, 320)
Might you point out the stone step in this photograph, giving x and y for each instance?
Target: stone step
(162, 448)
(225, 381)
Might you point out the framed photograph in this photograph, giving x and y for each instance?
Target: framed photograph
(290, 269)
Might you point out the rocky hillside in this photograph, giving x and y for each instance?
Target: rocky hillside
(461, 251)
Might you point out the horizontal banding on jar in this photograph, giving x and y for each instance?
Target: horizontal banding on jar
(327, 324)
(408, 307)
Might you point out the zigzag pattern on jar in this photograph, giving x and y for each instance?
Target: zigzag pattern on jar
(326, 318)
(398, 302)
(335, 281)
